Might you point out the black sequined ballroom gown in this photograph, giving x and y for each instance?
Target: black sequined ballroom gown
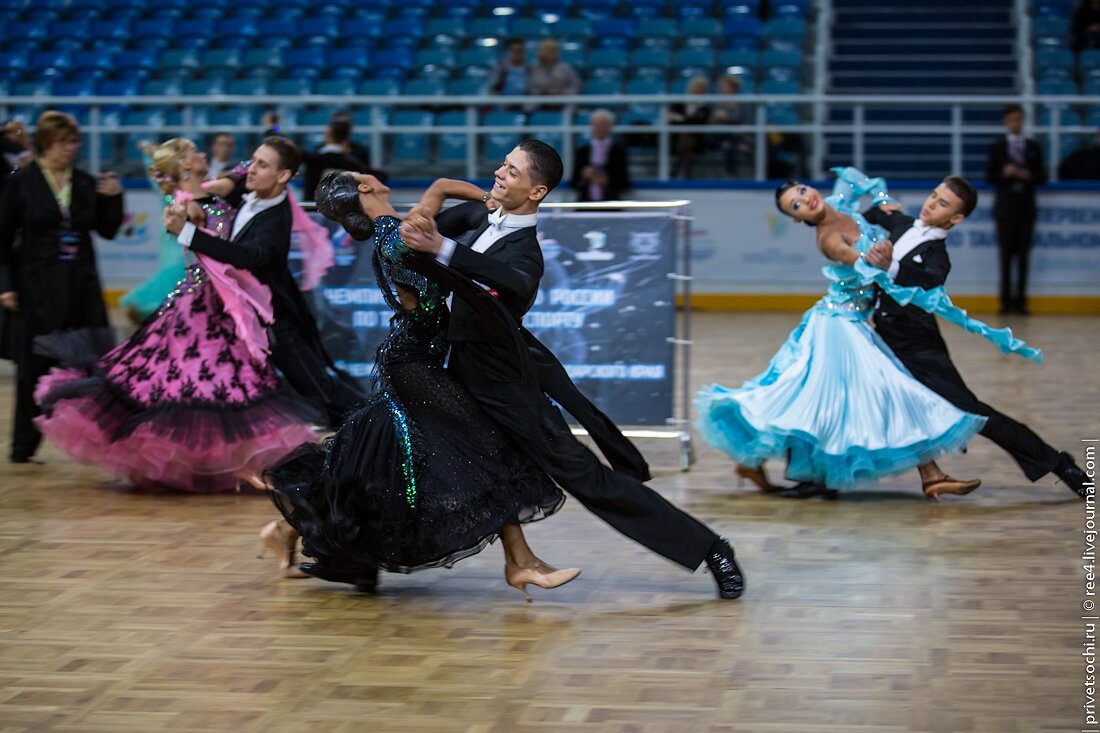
(418, 477)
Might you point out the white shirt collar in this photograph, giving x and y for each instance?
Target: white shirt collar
(914, 236)
(251, 206)
(501, 220)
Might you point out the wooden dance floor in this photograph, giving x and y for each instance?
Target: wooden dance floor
(124, 611)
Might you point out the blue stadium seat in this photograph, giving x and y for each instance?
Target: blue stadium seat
(479, 56)
(447, 27)
(1092, 119)
(781, 114)
(219, 58)
(354, 61)
(287, 87)
(265, 58)
(361, 29)
(607, 58)
(247, 87)
(183, 59)
(324, 26)
(602, 87)
(547, 118)
(780, 86)
(1091, 83)
(651, 58)
(342, 87)
(657, 27)
(162, 88)
(467, 86)
(496, 145)
(1058, 58)
(152, 29)
(530, 28)
(411, 147)
(1088, 60)
(493, 27)
(297, 60)
(703, 58)
(434, 57)
(232, 116)
(452, 145)
(379, 88)
(84, 88)
(623, 28)
(779, 57)
(50, 60)
(28, 29)
(574, 53)
(37, 88)
(742, 57)
(1048, 25)
(424, 88)
(575, 28)
(1067, 115)
(194, 29)
(750, 28)
(785, 27)
(700, 26)
(1059, 87)
(789, 10)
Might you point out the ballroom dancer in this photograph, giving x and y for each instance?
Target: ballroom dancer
(503, 254)
(48, 276)
(260, 243)
(1015, 167)
(834, 399)
(918, 258)
(417, 477)
(190, 401)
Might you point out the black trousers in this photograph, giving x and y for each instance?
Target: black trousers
(624, 502)
(933, 368)
(25, 437)
(308, 373)
(1014, 234)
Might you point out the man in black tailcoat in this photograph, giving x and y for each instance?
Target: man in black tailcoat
(503, 255)
(260, 243)
(918, 257)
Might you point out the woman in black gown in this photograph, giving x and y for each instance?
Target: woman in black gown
(48, 277)
(418, 476)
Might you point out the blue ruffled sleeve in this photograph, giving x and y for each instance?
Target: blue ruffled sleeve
(852, 184)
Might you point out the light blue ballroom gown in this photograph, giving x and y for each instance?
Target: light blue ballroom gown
(834, 400)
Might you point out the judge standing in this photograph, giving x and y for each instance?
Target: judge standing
(48, 276)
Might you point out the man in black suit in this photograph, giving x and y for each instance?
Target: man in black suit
(260, 244)
(600, 168)
(503, 255)
(1015, 167)
(918, 258)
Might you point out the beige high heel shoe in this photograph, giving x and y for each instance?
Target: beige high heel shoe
(283, 543)
(541, 575)
(948, 485)
(757, 476)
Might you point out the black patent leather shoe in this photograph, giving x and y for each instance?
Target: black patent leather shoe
(724, 568)
(807, 490)
(364, 579)
(1073, 476)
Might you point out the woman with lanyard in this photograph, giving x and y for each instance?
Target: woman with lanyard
(48, 277)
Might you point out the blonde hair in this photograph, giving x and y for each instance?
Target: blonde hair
(54, 126)
(700, 83)
(548, 44)
(165, 168)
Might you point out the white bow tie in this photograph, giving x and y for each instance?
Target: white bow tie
(497, 217)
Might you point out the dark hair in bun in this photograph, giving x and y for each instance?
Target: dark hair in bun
(337, 198)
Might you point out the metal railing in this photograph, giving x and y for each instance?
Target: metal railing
(99, 131)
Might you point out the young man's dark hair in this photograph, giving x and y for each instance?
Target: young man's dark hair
(289, 155)
(1011, 109)
(966, 192)
(546, 165)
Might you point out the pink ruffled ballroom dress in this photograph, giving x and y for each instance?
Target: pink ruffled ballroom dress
(190, 401)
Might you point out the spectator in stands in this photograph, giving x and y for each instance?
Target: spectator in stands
(601, 168)
(223, 150)
(1015, 167)
(17, 150)
(735, 147)
(551, 75)
(49, 281)
(512, 74)
(689, 113)
(1083, 164)
(1085, 28)
(786, 155)
(338, 152)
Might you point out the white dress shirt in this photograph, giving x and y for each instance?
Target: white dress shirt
(913, 237)
(249, 208)
(500, 226)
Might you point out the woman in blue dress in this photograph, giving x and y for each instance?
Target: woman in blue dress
(834, 400)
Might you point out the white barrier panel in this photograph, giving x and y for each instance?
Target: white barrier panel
(742, 244)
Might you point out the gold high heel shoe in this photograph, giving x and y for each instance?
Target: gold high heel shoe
(757, 476)
(947, 485)
(541, 575)
(283, 543)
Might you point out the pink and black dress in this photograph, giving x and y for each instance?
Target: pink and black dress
(190, 402)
